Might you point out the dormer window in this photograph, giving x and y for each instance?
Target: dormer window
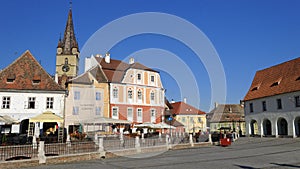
(275, 84)
(254, 88)
(36, 81)
(11, 78)
(139, 76)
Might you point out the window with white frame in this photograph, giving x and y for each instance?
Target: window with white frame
(152, 78)
(75, 110)
(139, 77)
(140, 95)
(115, 93)
(49, 102)
(152, 96)
(5, 102)
(139, 115)
(31, 103)
(98, 96)
(129, 94)
(115, 113)
(98, 111)
(76, 95)
(153, 115)
(129, 114)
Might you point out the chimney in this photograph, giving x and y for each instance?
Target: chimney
(184, 100)
(98, 56)
(107, 58)
(216, 104)
(131, 60)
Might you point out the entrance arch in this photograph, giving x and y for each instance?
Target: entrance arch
(282, 126)
(297, 126)
(253, 127)
(267, 127)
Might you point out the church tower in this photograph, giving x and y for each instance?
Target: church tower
(67, 54)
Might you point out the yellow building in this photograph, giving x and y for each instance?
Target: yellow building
(88, 99)
(193, 119)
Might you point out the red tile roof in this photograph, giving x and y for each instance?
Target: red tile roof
(25, 73)
(181, 108)
(226, 113)
(116, 69)
(275, 80)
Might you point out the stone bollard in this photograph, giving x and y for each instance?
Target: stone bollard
(191, 140)
(68, 141)
(101, 148)
(137, 144)
(209, 139)
(143, 137)
(96, 139)
(34, 144)
(168, 141)
(159, 136)
(122, 139)
(41, 151)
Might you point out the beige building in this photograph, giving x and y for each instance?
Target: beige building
(88, 99)
(227, 115)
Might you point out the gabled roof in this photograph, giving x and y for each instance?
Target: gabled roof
(84, 78)
(278, 79)
(116, 69)
(69, 40)
(25, 73)
(226, 113)
(181, 108)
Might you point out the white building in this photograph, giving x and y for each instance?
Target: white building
(27, 90)
(272, 104)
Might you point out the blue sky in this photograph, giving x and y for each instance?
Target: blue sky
(248, 35)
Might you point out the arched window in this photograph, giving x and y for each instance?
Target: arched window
(115, 93)
(139, 94)
(152, 96)
(66, 61)
(129, 94)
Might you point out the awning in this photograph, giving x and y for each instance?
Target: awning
(47, 117)
(155, 126)
(7, 120)
(105, 120)
(145, 125)
(163, 125)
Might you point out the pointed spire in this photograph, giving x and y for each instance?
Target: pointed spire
(69, 39)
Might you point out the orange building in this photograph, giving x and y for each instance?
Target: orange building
(136, 92)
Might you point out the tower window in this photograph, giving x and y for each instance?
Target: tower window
(66, 61)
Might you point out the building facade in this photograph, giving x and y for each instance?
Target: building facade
(272, 104)
(88, 99)
(192, 118)
(227, 115)
(136, 93)
(27, 90)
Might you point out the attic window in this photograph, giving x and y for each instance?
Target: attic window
(254, 88)
(36, 81)
(298, 79)
(11, 78)
(275, 84)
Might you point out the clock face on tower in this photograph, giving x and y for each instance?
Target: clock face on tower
(65, 68)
